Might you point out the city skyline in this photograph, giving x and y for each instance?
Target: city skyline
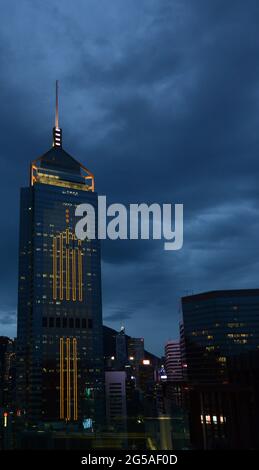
(193, 111)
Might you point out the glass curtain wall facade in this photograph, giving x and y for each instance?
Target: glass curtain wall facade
(221, 332)
(221, 338)
(60, 341)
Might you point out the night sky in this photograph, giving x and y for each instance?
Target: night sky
(160, 100)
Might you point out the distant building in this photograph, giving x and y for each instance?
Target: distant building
(7, 371)
(136, 350)
(146, 376)
(221, 336)
(110, 348)
(121, 355)
(183, 351)
(173, 361)
(116, 406)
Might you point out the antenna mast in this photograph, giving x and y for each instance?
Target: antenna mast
(57, 132)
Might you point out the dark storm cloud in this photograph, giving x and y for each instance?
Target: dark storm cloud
(160, 100)
(8, 317)
(120, 316)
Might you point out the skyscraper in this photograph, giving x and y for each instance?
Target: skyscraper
(221, 333)
(60, 358)
(121, 348)
(116, 405)
(173, 361)
(221, 328)
(136, 349)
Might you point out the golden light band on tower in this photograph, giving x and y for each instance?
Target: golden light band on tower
(67, 267)
(68, 379)
(75, 378)
(67, 275)
(61, 296)
(73, 270)
(61, 378)
(38, 175)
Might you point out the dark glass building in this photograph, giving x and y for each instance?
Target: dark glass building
(220, 328)
(7, 371)
(60, 341)
(221, 350)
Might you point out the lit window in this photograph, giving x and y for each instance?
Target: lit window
(222, 359)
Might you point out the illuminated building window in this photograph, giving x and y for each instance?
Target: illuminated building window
(222, 359)
(235, 325)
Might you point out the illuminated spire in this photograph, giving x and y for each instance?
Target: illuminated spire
(56, 116)
(57, 132)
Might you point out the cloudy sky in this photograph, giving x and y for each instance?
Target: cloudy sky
(160, 99)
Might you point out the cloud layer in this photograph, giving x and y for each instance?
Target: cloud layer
(160, 100)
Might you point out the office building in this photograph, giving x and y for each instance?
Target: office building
(121, 355)
(221, 337)
(136, 350)
(173, 361)
(60, 341)
(116, 406)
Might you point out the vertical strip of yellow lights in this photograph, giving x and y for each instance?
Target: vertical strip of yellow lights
(75, 377)
(61, 378)
(61, 266)
(73, 269)
(67, 266)
(68, 379)
(54, 285)
(80, 272)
